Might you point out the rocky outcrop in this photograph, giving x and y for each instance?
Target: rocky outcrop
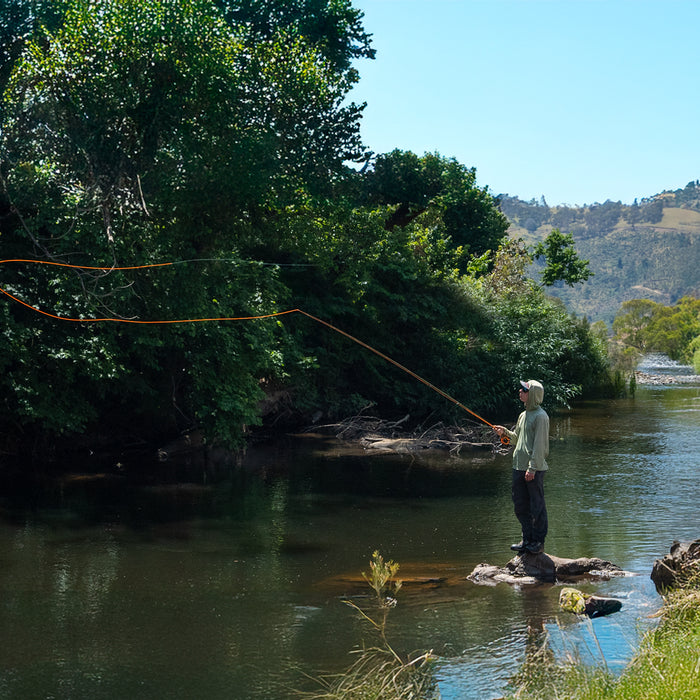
(665, 379)
(682, 561)
(527, 569)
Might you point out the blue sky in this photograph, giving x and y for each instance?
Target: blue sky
(579, 101)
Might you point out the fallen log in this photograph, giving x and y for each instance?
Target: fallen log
(382, 436)
(403, 445)
(527, 569)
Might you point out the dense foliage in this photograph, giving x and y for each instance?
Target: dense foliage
(218, 135)
(647, 326)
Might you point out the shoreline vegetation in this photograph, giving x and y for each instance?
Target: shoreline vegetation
(666, 665)
(146, 296)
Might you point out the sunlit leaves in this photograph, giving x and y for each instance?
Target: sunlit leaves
(432, 184)
(333, 27)
(561, 260)
(632, 320)
(648, 326)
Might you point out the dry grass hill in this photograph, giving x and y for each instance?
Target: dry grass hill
(643, 251)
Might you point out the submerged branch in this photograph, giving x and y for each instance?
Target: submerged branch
(385, 436)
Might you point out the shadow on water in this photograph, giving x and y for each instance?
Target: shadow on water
(153, 580)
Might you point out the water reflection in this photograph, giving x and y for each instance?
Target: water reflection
(144, 584)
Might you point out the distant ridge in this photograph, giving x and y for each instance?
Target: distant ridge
(647, 250)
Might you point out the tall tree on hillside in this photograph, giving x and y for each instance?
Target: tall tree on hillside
(561, 260)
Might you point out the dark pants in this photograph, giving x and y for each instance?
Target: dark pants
(530, 509)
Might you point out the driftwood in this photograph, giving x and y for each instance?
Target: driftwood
(682, 561)
(392, 437)
(527, 569)
(402, 445)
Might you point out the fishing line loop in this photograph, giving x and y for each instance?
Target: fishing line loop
(504, 438)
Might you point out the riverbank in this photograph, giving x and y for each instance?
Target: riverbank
(656, 369)
(665, 666)
(646, 378)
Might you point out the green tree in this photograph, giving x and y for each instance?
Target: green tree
(632, 320)
(653, 211)
(135, 132)
(561, 260)
(526, 333)
(413, 186)
(652, 327)
(154, 107)
(672, 329)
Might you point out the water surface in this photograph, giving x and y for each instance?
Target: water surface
(151, 581)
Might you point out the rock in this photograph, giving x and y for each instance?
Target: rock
(683, 558)
(490, 575)
(574, 601)
(590, 566)
(539, 568)
(665, 379)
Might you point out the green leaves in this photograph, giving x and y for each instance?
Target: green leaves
(440, 190)
(561, 260)
(652, 327)
(215, 136)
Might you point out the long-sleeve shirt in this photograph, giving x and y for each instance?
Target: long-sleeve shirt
(531, 434)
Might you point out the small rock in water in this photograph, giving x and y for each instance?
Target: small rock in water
(572, 600)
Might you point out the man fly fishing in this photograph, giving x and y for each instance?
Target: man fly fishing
(531, 434)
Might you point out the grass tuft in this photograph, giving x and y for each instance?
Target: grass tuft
(666, 666)
(380, 673)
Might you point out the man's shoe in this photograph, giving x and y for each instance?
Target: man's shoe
(520, 547)
(534, 547)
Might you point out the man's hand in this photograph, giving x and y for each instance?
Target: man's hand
(529, 475)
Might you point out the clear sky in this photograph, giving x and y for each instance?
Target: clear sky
(579, 101)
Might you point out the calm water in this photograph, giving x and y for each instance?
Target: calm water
(127, 586)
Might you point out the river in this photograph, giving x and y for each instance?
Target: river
(145, 582)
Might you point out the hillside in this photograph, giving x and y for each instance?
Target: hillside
(648, 250)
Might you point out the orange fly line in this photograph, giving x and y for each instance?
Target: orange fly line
(504, 438)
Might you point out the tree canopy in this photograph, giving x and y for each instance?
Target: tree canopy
(220, 136)
(649, 326)
(561, 260)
